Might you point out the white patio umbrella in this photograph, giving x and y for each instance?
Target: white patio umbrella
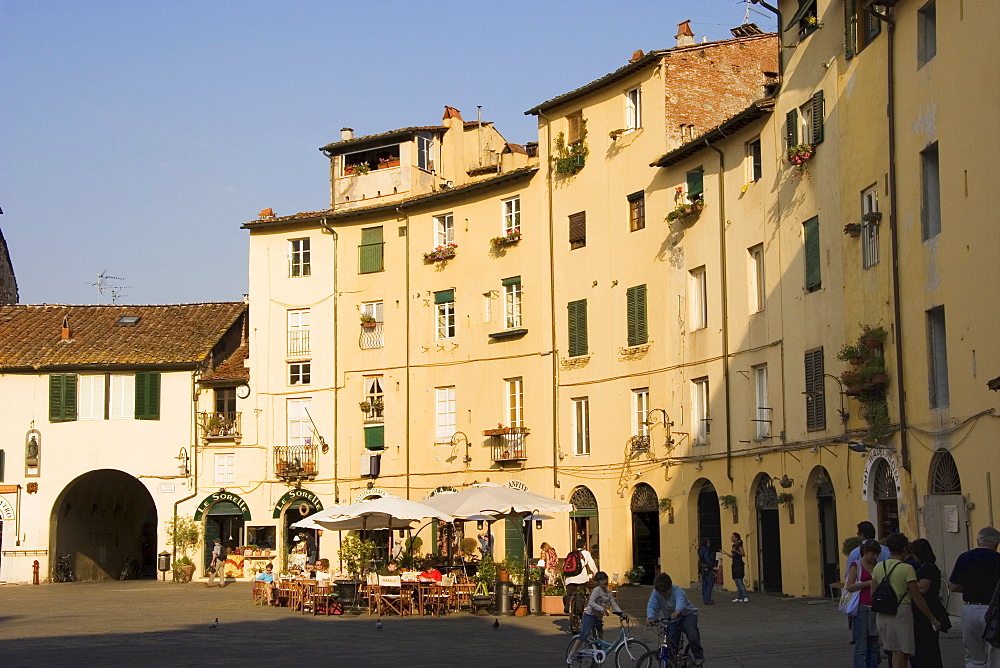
(496, 500)
(388, 512)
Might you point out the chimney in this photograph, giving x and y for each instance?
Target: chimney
(638, 54)
(451, 112)
(346, 133)
(684, 35)
(65, 328)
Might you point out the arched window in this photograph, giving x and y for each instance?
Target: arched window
(582, 498)
(765, 498)
(944, 474)
(884, 484)
(644, 499)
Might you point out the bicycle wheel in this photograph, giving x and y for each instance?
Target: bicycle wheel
(652, 659)
(57, 576)
(581, 661)
(628, 654)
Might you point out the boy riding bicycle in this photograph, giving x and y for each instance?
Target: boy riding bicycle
(669, 601)
(600, 600)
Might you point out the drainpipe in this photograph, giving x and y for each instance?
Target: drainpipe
(781, 62)
(194, 458)
(406, 273)
(552, 312)
(725, 307)
(336, 391)
(904, 450)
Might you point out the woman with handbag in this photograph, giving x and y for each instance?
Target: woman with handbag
(927, 646)
(859, 605)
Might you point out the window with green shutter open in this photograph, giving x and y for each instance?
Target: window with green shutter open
(577, 321)
(696, 184)
(810, 230)
(636, 315)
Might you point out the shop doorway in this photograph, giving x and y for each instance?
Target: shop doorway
(584, 519)
(224, 520)
(886, 504)
(104, 519)
(826, 506)
(946, 520)
(768, 535)
(709, 517)
(300, 545)
(646, 531)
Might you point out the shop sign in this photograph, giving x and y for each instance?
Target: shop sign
(222, 495)
(6, 512)
(873, 457)
(304, 494)
(373, 493)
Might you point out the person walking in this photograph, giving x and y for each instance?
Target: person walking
(895, 631)
(706, 569)
(975, 575)
(859, 579)
(927, 645)
(738, 568)
(215, 566)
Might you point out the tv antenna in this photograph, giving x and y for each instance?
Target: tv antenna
(116, 292)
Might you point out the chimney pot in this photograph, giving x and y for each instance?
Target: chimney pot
(346, 133)
(65, 329)
(684, 35)
(638, 54)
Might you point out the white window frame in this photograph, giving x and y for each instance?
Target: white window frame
(755, 163)
(445, 324)
(299, 425)
(298, 331)
(225, 468)
(515, 401)
(375, 310)
(640, 411)
(869, 231)
(373, 388)
(299, 373)
(511, 214)
(446, 423)
(756, 282)
(90, 397)
(444, 229)
(581, 426)
(122, 400)
(512, 306)
(299, 258)
(699, 298)
(701, 424)
(487, 307)
(762, 408)
(806, 112)
(633, 109)
(425, 152)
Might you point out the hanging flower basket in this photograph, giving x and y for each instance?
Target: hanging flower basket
(445, 252)
(686, 209)
(853, 229)
(799, 155)
(872, 217)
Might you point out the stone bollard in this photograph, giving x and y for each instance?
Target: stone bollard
(34, 572)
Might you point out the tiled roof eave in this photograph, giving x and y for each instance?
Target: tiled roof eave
(756, 110)
(358, 143)
(69, 368)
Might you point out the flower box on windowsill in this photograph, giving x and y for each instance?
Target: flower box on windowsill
(799, 155)
(441, 253)
(686, 209)
(499, 431)
(368, 324)
(508, 239)
(386, 164)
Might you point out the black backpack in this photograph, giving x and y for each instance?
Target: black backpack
(884, 599)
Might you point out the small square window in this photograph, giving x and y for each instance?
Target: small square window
(755, 165)
(299, 373)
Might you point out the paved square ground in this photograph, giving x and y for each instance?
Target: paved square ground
(164, 624)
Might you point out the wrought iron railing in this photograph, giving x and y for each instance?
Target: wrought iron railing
(507, 443)
(294, 462)
(640, 443)
(373, 414)
(219, 425)
(371, 336)
(298, 342)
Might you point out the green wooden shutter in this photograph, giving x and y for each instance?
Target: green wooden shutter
(371, 254)
(516, 280)
(513, 544)
(792, 128)
(375, 437)
(577, 327)
(849, 29)
(147, 396)
(62, 397)
(812, 254)
(817, 117)
(695, 183)
(444, 297)
(636, 310)
(815, 397)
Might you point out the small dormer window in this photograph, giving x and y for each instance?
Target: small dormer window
(128, 321)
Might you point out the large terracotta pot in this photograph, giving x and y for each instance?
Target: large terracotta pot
(188, 572)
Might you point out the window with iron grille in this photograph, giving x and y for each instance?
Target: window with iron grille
(815, 395)
(298, 332)
(636, 211)
(869, 228)
(762, 410)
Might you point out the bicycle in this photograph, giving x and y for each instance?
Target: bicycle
(595, 650)
(671, 653)
(130, 570)
(577, 604)
(62, 572)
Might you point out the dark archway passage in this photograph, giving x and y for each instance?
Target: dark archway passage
(768, 534)
(102, 519)
(709, 517)
(646, 531)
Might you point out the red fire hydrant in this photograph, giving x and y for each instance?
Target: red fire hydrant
(34, 572)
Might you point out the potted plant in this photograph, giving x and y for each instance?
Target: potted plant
(552, 597)
(849, 544)
(184, 567)
(799, 155)
(444, 252)
(368, 320)
(510, 238)
(499, 431)
(872, 217)
(635, 575)
(567, 160)
(365, 406)
(873, 337)
(470, 546)
(357, 170)
(357, 554)
(685, 209)
(851, 353)
(851, 378)
(184, 533)
(387, 162)
(853, 229)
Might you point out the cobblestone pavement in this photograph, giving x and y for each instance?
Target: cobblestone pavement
(159, 624)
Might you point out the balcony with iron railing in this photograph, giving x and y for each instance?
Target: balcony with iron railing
(507, 444)
(219, 426)
(639, 443)
(371, 336)
(371, 410)
(295, 462)
(298, 342)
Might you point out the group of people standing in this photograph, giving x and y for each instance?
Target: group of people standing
(708, 567)
(912, 637)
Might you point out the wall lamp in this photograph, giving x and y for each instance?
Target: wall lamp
(665, 420)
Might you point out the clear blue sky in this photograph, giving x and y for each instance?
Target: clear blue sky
(136, 137)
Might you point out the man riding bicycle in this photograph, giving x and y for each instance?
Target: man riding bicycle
(669, 601)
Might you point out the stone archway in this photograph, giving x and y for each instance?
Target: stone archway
(101, 519)
(768, 533)
(821, 486)
(645, 508)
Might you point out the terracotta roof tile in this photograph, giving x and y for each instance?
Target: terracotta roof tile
(233, 368)
(31, 335)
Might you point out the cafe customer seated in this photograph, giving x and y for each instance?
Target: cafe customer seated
(430, 572)
(267, 577)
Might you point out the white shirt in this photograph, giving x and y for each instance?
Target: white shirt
(589, 568)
